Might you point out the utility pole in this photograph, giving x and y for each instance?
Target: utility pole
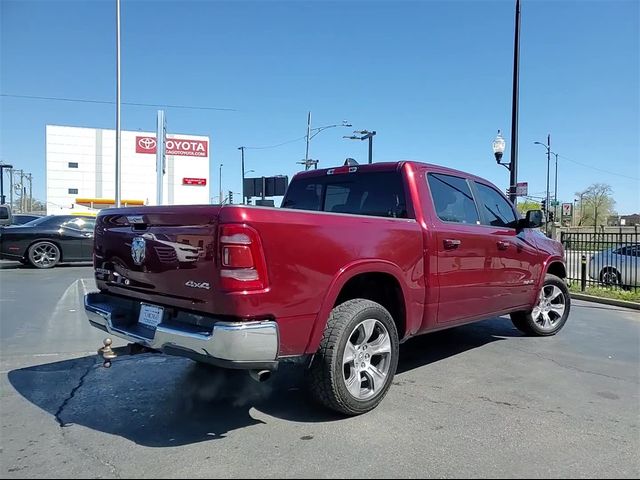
(20, 189)
(306, 155)
(513, 177)
(29, 178)
(11, 187)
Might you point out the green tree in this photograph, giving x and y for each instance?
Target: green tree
(596, 205)
(526, 205)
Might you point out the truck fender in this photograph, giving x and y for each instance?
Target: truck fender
(545, 269)
(339, 281)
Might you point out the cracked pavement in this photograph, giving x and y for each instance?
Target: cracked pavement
(476, 401)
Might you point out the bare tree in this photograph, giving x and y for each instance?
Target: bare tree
(597, 204)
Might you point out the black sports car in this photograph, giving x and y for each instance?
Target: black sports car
(47, 241)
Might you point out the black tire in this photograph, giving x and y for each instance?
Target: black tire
(525, 321)
(610, 276)
(325, 378)
(44, 254)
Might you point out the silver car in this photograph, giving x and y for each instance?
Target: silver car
(618, 266)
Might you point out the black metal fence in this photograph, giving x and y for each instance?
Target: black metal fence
(603, 259)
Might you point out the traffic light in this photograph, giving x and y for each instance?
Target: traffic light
(543, 205)
(551, 216)
(230, 197)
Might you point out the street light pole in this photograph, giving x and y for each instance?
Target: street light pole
(307, 162)
(244, 199)
(513, 177)
(555, 189)
(366, 135)
(371, 146)
(118, 150)
(220, 197)
(548, 165)
(548, 147)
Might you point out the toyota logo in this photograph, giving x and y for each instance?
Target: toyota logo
(147, 143)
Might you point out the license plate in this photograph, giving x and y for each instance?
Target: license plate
(150, 315)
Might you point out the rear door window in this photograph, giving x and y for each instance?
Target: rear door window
(452, 199)
(496, 210)
(379, 194)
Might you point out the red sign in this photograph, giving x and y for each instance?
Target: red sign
(175, 146)
(194, 181)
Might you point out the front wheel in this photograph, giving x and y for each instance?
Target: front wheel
(550, 312)
(357, 359)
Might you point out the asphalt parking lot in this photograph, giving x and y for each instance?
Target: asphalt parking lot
(476, 401)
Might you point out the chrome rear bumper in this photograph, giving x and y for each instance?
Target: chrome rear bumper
(230, 344)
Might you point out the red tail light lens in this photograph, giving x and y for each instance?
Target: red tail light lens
(242, 263)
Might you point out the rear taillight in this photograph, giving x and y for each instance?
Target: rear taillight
(241, 259)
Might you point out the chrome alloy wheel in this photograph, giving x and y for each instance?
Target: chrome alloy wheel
(550, 307)
(366, 359)
(44, 255)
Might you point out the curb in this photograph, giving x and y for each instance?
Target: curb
(607, 301)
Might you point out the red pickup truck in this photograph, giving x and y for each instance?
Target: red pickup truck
(357, 260)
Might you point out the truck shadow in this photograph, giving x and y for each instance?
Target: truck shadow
(161, 401)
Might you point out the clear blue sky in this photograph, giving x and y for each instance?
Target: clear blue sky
(433, 78)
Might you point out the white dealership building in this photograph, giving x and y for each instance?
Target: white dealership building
(81, 169)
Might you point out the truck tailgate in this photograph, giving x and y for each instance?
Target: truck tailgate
(165, 255)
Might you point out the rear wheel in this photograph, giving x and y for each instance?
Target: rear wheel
(44, 255)
(610, 276)
(357, 359)
(550, 312)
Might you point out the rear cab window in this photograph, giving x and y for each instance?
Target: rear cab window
(379, 194)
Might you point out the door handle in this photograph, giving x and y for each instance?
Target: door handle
(451, 244)
(502, 245)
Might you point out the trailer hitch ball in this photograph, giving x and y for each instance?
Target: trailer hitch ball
(107, 353)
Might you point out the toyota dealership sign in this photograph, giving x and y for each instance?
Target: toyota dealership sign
(175, 146)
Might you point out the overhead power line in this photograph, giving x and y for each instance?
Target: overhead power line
(277, 145)
(599, 169)
(105, 102)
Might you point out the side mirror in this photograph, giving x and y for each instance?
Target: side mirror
(533, 219)
(5, 215)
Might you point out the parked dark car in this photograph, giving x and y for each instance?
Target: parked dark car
(49, 240)
(22, 218)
